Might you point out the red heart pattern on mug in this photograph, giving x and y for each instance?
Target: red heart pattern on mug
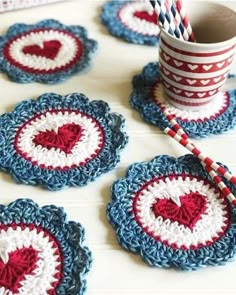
(202, 71)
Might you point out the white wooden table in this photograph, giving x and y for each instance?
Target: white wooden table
(114, 271)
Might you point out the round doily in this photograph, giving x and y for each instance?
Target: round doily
(40, 251)
(148, 98)
(47, 52)
(60, 141)
(171, 214)
(133, 21)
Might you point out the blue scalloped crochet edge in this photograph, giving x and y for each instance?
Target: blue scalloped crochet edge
(142, 100)
(69, 235)
(115, 27)
(18, 75)
(133, 238)
(23, 171)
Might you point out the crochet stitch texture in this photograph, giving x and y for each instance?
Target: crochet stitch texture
(170, 213)
(58, 141)
(41, 252)
(46, 52)
(133, 21)
(147, 98)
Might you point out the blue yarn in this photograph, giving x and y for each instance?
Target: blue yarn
(69, 235)
(141, 99)
(110, 19)
(232, 75)
(19, 75)
(133, 238)
(23, 171)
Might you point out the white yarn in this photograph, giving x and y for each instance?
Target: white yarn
(214, 107)
(83, 149)
(127, 17)
(66, 52)
(42, 277)
(207, 227)
(4, 250)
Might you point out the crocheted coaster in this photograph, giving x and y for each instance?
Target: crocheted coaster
(169, 212)
(47, 52)
(133, 21)
(60, 141)
(40, 252)
(148, 98)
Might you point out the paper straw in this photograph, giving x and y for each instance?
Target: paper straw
(185, 20)
(153, 3)
(178, 20)
(207, 161)
(224, 189)
(176, 16)
(165, 18)
(167, 6)
(214, 176)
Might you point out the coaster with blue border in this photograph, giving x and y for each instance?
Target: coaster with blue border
(40, 251)
(58, 142)
(170, 212)
(133, 21)
(46, 52)
(148, 99)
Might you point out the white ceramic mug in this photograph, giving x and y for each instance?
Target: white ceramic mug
(193, 73)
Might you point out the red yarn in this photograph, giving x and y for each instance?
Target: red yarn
(50, 49)
(193, 205)
(234, 203)
(64, 139)
(144, 15)
(21, 262)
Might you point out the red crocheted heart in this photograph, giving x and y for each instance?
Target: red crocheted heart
(193, 205)
(64, 139)
(49, 50)
(144, 15)
(21, 262)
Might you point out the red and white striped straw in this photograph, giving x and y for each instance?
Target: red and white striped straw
(218, 180)
(165, 17)
(215, 177)
(173, 17)
(185, 20)
(177, 19)
(207, 161)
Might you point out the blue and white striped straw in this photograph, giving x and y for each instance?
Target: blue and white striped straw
(173, 19)
(165, 17)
